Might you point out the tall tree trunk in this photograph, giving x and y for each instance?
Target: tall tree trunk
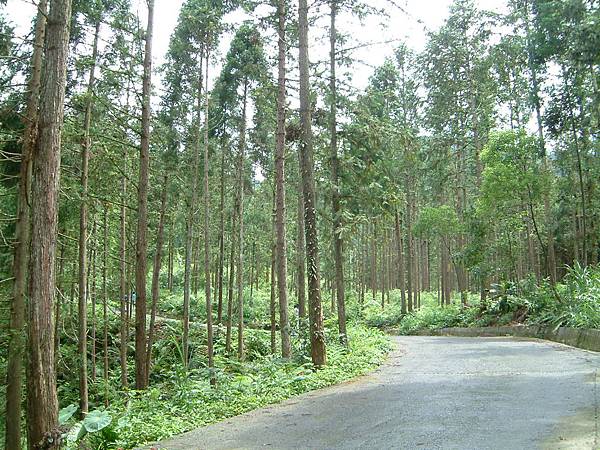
(230, 286)
(105, 301)
(141, 269)
(272, 307)
(400, 250)
(373, 267)
(252, 274)
(317, 332)
(409, 251)
(584, 237)
(301, 258)
(281, 245)
(384, 247)
(42, 401)
(240, 217)
(207, 285)
(531, 256)
(221, 240)
(92, 296)
(425, 265)
(83, 231)
(446, 281)
(189, 232)
(574, 228)
(123, 291)
(16, 344)
(460, 207)
(335, 198)
(363, 268)
(155, 288)
(170, 257)
(195, 264)
(417, 273)
(57, 309)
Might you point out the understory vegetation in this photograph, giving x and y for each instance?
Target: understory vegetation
(181, 402)
(575, 302)
(181, 399)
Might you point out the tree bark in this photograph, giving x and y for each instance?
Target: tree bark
(281, 244)
(317, 333)
(581, 186)
(123, 291)
(16, 344)
(373, 267)
(92, 296)
(105, 301)
(42, 401)
(170, 258)
(446, 282)
(141, 270)
(410, 297)
(57, 309)
(230, 286)
(221, 240)
(189, 234)
(155, 288)
(240, 216)
(335, 197)
(400, 250)
(272, 307)
(301, 258)
(207, 285)
(83, 231)
(535, 94)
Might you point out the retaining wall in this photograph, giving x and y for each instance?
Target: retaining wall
(588, 339)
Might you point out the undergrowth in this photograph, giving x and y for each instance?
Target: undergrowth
(180, 401)
(575, 302)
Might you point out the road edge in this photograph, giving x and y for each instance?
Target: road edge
(586, 339)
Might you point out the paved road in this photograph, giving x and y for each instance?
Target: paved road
(435, 393)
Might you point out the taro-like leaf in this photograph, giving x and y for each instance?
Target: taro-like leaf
(66, 413)
(96, 420)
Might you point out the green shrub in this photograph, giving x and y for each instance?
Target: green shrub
(575, 302)
(179, 401)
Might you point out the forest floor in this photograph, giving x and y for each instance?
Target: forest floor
(435, 393)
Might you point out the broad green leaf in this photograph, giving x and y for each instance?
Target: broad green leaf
(66, 413)
(82, 431)
(96, 420)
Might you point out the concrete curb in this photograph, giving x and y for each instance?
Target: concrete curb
(588, 339)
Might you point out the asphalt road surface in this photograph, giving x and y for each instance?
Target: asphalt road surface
(435, 393)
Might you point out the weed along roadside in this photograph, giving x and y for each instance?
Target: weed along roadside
(183, 401)
(521, 309)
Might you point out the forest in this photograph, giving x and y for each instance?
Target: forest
(186, 241)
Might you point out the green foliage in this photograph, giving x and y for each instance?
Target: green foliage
(524, 302)
(512, 175)
(66, 413)
(440, 221)
(417, 145)
(93, 430)
(374, 316)
(183, 401)
(96, 420)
